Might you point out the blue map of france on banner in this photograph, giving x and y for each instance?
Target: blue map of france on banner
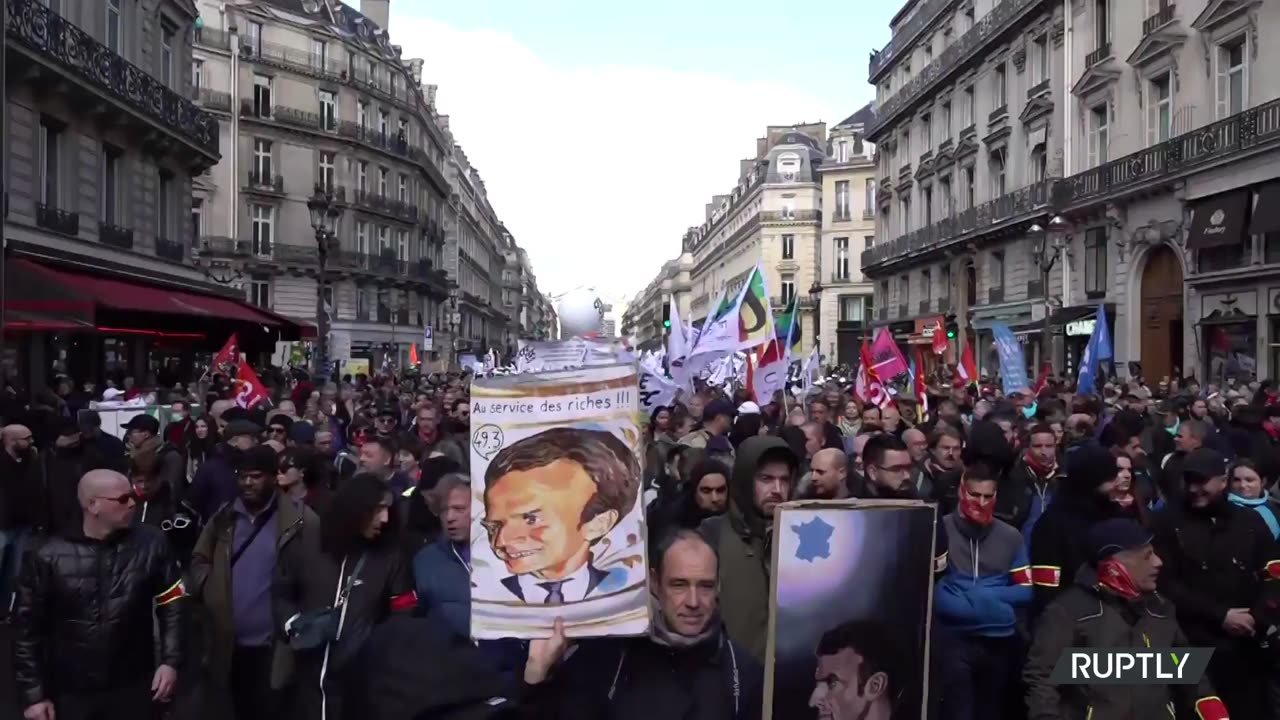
(1013, 364)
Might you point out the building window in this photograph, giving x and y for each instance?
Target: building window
(1042, 58)
(114, 36)
(362, 237)
(384, 240)
(788, 288)
(868, 241)
(402, 188)
(261, 95)
(1099, 137)
(869, 192)
(384, 123)
(1039, 164)
(944, 126)
(263, 221)
(402, 245)
(197, 75)
(362, 176)
(164, 204)
(362, 115)
(970, 188)
(906, 145)
(926, 204)
(329, 110)
(1233, 77)
(944, 190)
(926, 286)
(362, 304)
(1101, 24)
(395, 87)
(842, 200)
(262, 160)
(328, 170)
(997, 172)
(788, 247)
(968, 107)
(167, 56)
(255, 37)
(197, 218)
(110, 195)
(1000, 87)
(319, 54)
(850, 308)
(842, 151)
(1095, 262)
(260, 292)
(904, 294)
(944, 277)
(842, 258)
(926, 131)
(383, 173)
(997, 269)
(1159, 108)
(50, 137)
(905, 204)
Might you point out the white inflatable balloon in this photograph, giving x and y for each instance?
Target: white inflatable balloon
(581, 312)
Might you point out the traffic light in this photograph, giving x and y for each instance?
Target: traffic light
(952, 327)
(666, 314)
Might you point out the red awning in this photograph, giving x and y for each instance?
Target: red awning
(68, 297)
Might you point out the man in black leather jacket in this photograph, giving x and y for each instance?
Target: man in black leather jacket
(84, 645)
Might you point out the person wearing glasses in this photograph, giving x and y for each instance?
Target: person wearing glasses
(158, 507)
(886, 462)
(89, 606)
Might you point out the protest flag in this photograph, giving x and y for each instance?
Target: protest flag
(226, 358)
(940, 343)
(677, 341)
(755, 317)
(413, 353)
(922, 389)
(786, 324)
(868, 387)
(249, 390)
(967, 371)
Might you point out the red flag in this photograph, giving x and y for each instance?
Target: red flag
(413, 353)
(967, 371)
(868, 387)
(226, 358)
(1042, 379)
(249, 390)
(922, 389)
(751, 376)
(939, 338)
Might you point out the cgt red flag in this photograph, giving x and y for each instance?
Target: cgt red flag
(940, 343)
(226, 358)
(249, 389)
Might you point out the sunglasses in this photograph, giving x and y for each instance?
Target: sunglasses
(178, 523)
(121, 500)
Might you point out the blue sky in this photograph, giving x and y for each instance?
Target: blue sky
(601, 129)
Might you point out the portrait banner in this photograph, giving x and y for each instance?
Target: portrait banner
(840, 604)
(557, 521)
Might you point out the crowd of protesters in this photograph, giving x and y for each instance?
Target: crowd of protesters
(312, 560)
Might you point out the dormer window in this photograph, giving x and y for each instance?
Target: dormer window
(788, 166)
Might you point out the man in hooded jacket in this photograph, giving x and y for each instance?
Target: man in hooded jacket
(764, 474)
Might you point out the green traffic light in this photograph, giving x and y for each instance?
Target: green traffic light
(951, 334)
(666, 323)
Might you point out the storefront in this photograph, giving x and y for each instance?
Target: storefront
(1227, 336)
(920, 344)
(1018, 318)
(1072, 327)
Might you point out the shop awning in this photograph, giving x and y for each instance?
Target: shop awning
(1266, 214)
(1218, 220)
(44, 297)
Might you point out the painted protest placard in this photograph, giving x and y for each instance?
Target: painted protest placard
(839, 603)
(557, 523)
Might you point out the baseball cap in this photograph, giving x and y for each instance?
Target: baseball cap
(748, 408)
(143, 422)
(1203, 464)
(1109, 537)
(260, 458)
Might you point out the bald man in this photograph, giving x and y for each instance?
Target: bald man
(828, 471)
(917, 444)
(84, 644)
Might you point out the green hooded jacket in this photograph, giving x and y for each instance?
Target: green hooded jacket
(742, 539)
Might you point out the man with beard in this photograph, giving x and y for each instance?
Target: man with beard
(988, 577)
(215, 482)
(1032, 482)
(820, 414)
(1221, 562)
(939, 469)
(685, 668)
(1057, 542)
(887, 466)
(764, 474)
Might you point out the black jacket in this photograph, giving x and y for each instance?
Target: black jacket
(1214, 560)
(1086, 616)
(703, 682)
(63, 468)
(1018, 491)
(1058, 547)
(23, 500)
(86, 610)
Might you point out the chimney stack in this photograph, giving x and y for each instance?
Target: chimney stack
(378, 11)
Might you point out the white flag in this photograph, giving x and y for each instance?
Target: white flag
(677, 341)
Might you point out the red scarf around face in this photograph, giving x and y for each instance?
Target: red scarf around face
(1040, 469)
(975, 512)
(1113, 575)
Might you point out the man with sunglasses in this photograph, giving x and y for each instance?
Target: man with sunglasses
(89, 605)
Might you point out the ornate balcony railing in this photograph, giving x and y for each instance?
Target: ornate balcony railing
(170, 250)
(303, 119)
(57, 220)
(778, 302)
(1230, 136)
(54, 38)
(302, 61)
(212, 37)
(265, 182)
(956, 228)
(798, 216)
(377, 203)
(956, 56)
(213, 99)
(906, 34)
(1102, 53)
(115, 236)
(1161, 18)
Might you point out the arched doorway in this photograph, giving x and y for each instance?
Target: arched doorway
(1161, 314)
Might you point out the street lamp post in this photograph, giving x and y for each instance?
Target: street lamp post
(324, 220)
(1048, 247)
(815, 294)
(453, 322)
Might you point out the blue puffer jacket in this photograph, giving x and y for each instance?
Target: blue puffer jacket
(443, 582)
(987, 576)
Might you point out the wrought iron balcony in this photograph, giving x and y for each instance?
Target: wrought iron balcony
(57, 220)
(1039, 88)
(170, 250)
(304, 119)
(1241, 133)
(54, 40)
(300, 61)
(957, 228)
(115, 236)
(265, 182)
(793, 216)
(906, 33)
(957, 56)
(1161, 18)
(1102, 53)
(385, 205)
(212, 99)
(995, 295)
(778, 302)
(212, 37)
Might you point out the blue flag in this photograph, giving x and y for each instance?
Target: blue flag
(1013, 364)
(1099, 348)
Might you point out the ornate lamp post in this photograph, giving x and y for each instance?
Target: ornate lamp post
(324, 220)
(1049, 244)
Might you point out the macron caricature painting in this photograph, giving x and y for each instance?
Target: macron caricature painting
(557, 522)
